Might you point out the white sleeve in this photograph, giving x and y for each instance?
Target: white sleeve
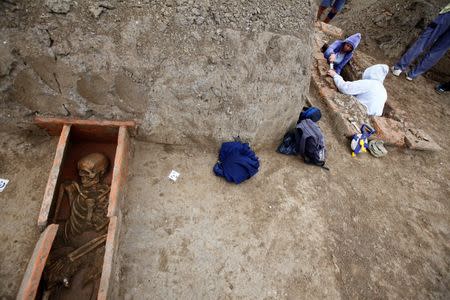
(351, 87)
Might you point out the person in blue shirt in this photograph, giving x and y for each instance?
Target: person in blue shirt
(341, 51)
(336, 6)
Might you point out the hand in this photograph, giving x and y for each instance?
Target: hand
(332, 58)
(331, 73)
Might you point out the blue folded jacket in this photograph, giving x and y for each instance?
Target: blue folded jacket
(237, 162)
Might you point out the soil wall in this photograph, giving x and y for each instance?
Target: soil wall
(186, 71)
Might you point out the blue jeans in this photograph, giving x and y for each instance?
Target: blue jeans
(436, 37)
(337, 4)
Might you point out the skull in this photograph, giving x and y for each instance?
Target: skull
(91, 168)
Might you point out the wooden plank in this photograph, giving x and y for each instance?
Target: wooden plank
(50, 189)
(33, 273)
(99, 134)
(53, 125)
(119, 172)
(107, 281)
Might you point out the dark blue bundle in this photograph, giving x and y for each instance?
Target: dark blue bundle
(289, 145)
(237, 162)
(312, 113)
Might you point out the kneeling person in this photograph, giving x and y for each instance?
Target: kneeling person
(370, 91)
(341, 51)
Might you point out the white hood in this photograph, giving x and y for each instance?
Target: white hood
(376, 72)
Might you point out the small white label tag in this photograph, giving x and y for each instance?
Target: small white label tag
(174, 175)
(3, 183)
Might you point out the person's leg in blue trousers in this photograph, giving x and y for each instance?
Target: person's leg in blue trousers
(436, 52)
(323, 5)
(425, 40)
(337, 6)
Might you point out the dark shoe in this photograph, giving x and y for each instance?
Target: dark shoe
(440, 89)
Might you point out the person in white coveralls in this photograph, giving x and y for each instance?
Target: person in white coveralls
(369, 90)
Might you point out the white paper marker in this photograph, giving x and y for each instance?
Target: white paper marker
(174, 175)
(3, 183)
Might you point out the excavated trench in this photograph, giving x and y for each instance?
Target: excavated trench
(284, 234)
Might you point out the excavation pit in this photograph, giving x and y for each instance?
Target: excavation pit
(80, 216)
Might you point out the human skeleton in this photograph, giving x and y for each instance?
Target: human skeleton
(88, 213)
(89, 202)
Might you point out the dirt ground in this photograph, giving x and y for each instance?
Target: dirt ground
(369, 228)
(25, 159)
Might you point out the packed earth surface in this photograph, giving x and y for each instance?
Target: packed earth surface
(369, 228)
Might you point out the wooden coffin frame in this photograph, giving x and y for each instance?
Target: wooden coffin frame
(95, 129)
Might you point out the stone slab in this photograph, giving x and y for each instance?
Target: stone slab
(417, 139)
(390, 131)
(330, 30)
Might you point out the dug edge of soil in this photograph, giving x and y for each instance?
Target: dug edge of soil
(368, 228)
(25, 159)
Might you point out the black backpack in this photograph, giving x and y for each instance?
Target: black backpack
(310, 143)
